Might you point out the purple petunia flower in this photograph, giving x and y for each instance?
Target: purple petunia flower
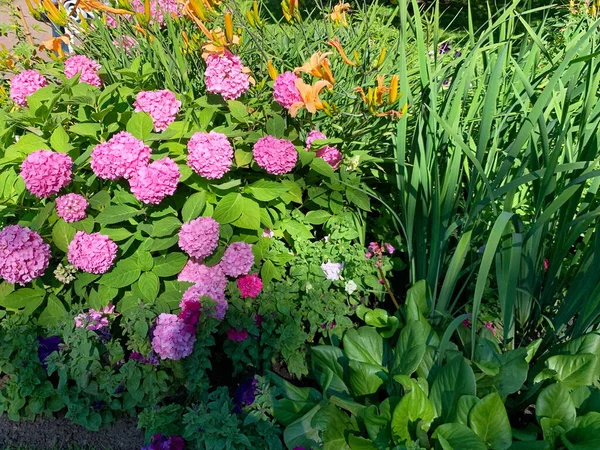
(46, 346)
(444, 48)
(245, 394)
(162, 442)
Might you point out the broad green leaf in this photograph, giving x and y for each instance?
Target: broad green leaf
(317, 217)
(193, 206)
(250, 217)
(463, 408)
(359, 198)
(40, 219)
(276, 126)
(297, 230)
(301, 433)
(123, 274)
(416, 301)
(414, 409)
(360, 443)
(140, 125)
(364, 345)
(59, 141)
(169, 264)
(326, 363)
(238, 111)
(149, 286)
(229, 208)
(555, 402)
(489, 420)
(24, 301)
(512, 372)
(454, 379)
(265, 191)
(410, 349)
(116, 234)
(585, 435)
(320, 166)
(574, 370)
(165, 227)
(87, 129)
(62, 235)
(115, 214)
(53, 312)
(364, 378)
(456, 436)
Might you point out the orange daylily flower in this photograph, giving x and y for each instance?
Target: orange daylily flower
(335, 43)
(376, 96)
(339, 13)
(310, 96)
(318, 66)
(217, 43)
(55, 45)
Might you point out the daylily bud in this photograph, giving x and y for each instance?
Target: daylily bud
(250, 19)
(228, 27)
(381, 57)
(272, 70)
(356, 57)
(393, 95)
(34, 11)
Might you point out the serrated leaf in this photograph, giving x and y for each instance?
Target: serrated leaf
(149, 285)
(140, 125)
(165, 227)
(125, 273)
(169, 265)
(317, 217)
(265, 191)
(59, 141)
(62, 235)
(116, 213)
(193, 206)
(229, 208)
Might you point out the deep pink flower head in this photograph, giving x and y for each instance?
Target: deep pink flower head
(285, 91)
(24, 256)
(490, 326)
(200, 237)
(224, 75)
(546, 264)
(331, 155)
(197, 291)
(120, 156)
(93, 253)
(210, 154)
(276, 156)
(158, 9)
(127, 43)
(46, 172)
(210, 276)
(389, 247)
(467, 322)
(237, 260)
(314, 135)
(162, 106)
(25, 84)
(237, 336)
(86, 66)
(172, 337)
(152, 183)
(111, 22)
(249, 285)
(71, 207)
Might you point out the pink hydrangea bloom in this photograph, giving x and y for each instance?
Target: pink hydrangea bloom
(249, 285)
(237, 260)
(212, 276)
(210, 154)
(331, 155)
(46, 172)
(120, 156)
(237, 335)
(25, 84)
(93, 253)
(276, 156)
(314, 135)
(86, 66)
(95, 320)
(224, 75)
(285, 91)
(71, 207)
(172, 337)
(158, 9)
(197, 291)
(152, 183)
(200, 237)
(162, 106)
(24, 256)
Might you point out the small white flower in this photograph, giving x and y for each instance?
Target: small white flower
(332, 270)
(350, 287)
(326, 238)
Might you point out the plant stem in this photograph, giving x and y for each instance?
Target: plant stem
(387, 286)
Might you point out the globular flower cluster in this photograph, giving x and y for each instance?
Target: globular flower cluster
(154, 182)
(46, 172)
(314, 135)
(93, 253)
(65, 274)
(162, 106)
(210, 154)
(200, 237)
(194, 293)
(276, 156)
(331, 155)
(196, 272)
(225, 75)
(237, 260)
(88, 68)
(120, 156)
(95, 320)
(71, 207)
(158, 9)
(24, 256)
(25, 84)
(249, 285)
(332, 270)
(285, 91)
(172, 337)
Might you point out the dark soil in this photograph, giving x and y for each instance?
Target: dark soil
(51, 433)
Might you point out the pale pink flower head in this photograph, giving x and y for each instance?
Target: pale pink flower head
(95, 320)
(162, 106)
(197, 291)
(389, 247)
(237, 335)
(152, 183)
(276, 156)
(46, 172)
(314, 135)
(92, 253)
(237, 260)
(200, 237)
(88, 68)
(172, 337)
(225, 75)
(24, 256)
(211, 277)
(332, 270)
(331, 155)
(71, 207)
(249, 285)
(25, 84)
(285, 91)
(121, 156)
(159, 9)
(210, 154)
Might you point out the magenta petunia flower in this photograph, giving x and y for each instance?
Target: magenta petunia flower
(24, 256)
(249, 285)
(237, 335)
(25, 84)
(46, 172)
(276, 156)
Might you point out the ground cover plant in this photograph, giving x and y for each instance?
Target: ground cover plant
(309, 226)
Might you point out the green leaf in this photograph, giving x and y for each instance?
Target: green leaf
(87, 129)
(410, 349)
(193, 206)
(574, 370)
(59, 140)
(115, 214)
(229, 208)
(489, 420)
(140, 125)
(24, 301)
(555, 402)
(297, 230)
(463, 408)
(125, 273)
(40, 219)
(455, 436)
(454, 380)
(364, 345)
(513, 372)
(269, 272)
(62, 235)
(326, 363)
(365, 379)
(265, 191)
(250, 217)
(149, 285)
(301, 433)
(585, 435)
(276, 126)
(416, 301)
(320, 166)
(414, 409)
(54, 311)
(238, 111)
(165, 227)
(169, 264)
(317, 217)
(359, 198)
(116, 234)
